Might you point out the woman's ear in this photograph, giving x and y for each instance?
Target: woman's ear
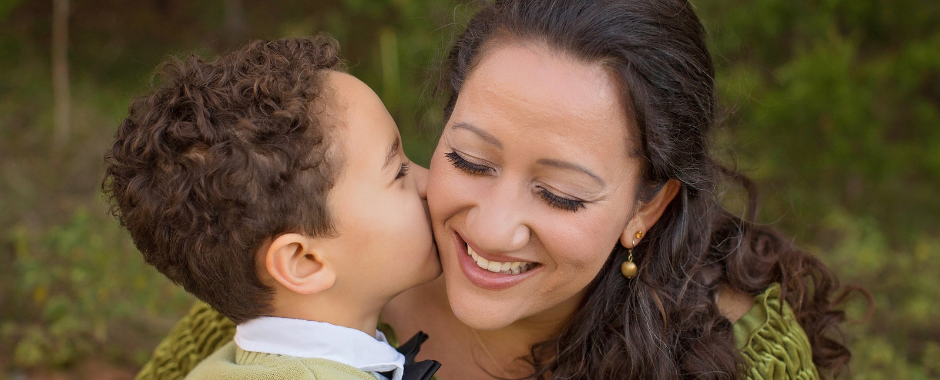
(648, 214)
(293, 262)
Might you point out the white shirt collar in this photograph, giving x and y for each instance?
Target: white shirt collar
(311, 339)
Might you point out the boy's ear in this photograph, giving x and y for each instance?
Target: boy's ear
(294, 263)
(648, 214)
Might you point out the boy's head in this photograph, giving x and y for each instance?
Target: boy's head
(382, 243)
(223, 158)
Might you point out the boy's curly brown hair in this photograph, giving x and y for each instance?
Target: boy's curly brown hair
(222, 156)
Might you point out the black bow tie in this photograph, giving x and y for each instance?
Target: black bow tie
(422, 370)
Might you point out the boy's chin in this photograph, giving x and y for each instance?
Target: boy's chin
(428, 271)
(431, 271)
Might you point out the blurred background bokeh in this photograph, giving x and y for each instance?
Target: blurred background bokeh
(833, 106)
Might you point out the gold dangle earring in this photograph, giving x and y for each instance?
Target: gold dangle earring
(629, 268)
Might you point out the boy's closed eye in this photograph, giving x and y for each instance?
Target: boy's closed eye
(394, 151)
(403, 169)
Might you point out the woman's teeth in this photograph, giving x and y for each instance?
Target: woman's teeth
(514, 267)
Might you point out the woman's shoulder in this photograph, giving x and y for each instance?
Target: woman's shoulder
(770, 339)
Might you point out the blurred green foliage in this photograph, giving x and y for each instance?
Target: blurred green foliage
(76, 284)
(832, 106)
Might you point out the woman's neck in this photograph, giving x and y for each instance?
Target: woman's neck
(509, 344)
(466, 353)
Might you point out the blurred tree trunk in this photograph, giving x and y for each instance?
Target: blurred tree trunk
(60, 72)
(391, 73)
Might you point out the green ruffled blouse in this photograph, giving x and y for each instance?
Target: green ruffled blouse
(773, 344)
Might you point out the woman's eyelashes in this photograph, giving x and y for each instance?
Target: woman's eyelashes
(467, 166)
(561, 203)
(403, 170)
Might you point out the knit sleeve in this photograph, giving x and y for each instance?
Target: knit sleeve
(194, 338)
(772, 342)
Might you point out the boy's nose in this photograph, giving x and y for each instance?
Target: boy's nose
(421, 180)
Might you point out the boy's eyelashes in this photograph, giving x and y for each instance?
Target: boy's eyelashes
(403, 169)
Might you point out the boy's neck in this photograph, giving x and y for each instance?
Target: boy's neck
(339, 311)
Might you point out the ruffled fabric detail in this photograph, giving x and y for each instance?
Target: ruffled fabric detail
(772, 342)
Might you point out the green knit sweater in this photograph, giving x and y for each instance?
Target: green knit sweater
(773, 344)
(232, 363)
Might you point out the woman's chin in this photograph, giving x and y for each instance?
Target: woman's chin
(480, 313)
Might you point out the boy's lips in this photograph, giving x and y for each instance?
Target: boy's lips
(490, 272)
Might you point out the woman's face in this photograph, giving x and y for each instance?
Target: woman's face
(531, 185)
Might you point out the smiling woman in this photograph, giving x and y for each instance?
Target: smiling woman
(576, 143)
(556, 200)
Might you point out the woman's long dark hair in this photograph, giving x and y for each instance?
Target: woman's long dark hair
(664, 323)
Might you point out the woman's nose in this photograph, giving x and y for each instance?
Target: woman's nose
(497, 223)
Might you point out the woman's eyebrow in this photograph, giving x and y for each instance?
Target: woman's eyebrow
(483, 134)
(570, 166)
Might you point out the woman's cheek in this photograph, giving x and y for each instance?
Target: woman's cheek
(437, 191)
(436, 204)
(583, 245)
(448, 191)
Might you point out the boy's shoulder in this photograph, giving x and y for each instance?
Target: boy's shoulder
(231, 362)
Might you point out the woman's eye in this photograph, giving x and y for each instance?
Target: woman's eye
(403, 170)
(561, 203)
(467, 166)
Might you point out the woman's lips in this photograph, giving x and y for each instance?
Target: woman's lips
(494, 277)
